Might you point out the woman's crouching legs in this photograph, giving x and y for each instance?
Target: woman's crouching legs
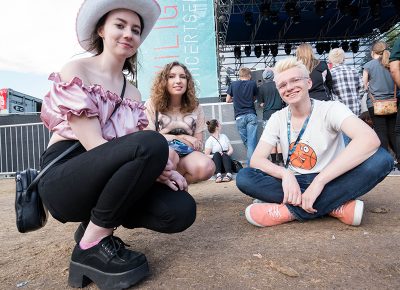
(131, 165)
(196, 167)
(163, 210)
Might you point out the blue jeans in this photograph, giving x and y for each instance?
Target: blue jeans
(348, 186)
(346, 139)
(247, 128)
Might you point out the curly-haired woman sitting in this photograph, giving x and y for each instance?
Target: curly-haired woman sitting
(173, 110)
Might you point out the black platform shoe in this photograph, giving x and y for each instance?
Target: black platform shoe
(108, 264)
(80, 231)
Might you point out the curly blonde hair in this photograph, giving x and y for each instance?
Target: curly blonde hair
(304, 52)
(159, 90)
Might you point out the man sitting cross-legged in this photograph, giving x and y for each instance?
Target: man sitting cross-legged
(321, 176)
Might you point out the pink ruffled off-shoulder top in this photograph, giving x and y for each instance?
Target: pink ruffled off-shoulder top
(74, 98)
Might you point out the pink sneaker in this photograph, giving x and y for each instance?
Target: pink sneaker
(268, 214)
(349, 213)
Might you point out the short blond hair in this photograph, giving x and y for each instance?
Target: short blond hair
(288, 63)
(244, 72)
(336, 56)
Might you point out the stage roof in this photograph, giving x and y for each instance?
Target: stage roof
(259, 21)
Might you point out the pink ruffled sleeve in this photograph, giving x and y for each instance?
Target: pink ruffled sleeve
(129, 118)
(74, 98)
(65, 99)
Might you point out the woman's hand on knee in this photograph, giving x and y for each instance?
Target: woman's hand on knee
(166, 174)
(176, 181)
(198, 145)
(193, 142)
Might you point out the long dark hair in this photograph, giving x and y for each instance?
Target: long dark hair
(96, 44)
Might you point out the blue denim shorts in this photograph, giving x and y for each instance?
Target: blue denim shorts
(181, 148)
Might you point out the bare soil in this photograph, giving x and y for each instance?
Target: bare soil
(222, 251)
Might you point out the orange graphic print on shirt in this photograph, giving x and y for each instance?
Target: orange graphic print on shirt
(303, 157)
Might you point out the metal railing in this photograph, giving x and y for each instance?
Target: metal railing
(21, 146)
(224, 113)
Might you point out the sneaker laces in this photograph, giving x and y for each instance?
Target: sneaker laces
(339, 210)
(274, 212)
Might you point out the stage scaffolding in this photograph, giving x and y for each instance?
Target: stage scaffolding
(229, 65)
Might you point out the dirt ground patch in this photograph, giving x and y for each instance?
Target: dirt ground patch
(222, 251)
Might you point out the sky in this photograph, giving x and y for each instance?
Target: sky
(37, 37)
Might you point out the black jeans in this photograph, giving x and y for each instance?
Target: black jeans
(223, 163)
(114, 184)
(384, 127)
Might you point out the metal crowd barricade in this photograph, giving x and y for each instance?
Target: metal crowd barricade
(223, 112)
(21, 146)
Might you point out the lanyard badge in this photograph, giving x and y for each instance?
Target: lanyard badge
(303, 128)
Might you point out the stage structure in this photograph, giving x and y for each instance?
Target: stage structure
(256, 33)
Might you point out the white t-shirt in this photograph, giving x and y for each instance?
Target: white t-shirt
(214, 145)
(321, 141)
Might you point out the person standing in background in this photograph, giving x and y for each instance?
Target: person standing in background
(394, 62)
(347, 86)
(243, 93)
(271, 102)
(320, 76)
(379, 84)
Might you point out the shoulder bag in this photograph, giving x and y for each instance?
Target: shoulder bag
(30, 212)
(385, 107)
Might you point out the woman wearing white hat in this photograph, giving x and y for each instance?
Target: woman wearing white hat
(119, 174)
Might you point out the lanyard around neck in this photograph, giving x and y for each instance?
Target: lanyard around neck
(303, 128)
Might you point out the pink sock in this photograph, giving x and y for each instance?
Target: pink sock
(85, 246)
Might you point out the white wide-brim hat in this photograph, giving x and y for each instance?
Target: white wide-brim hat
(92, 10)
